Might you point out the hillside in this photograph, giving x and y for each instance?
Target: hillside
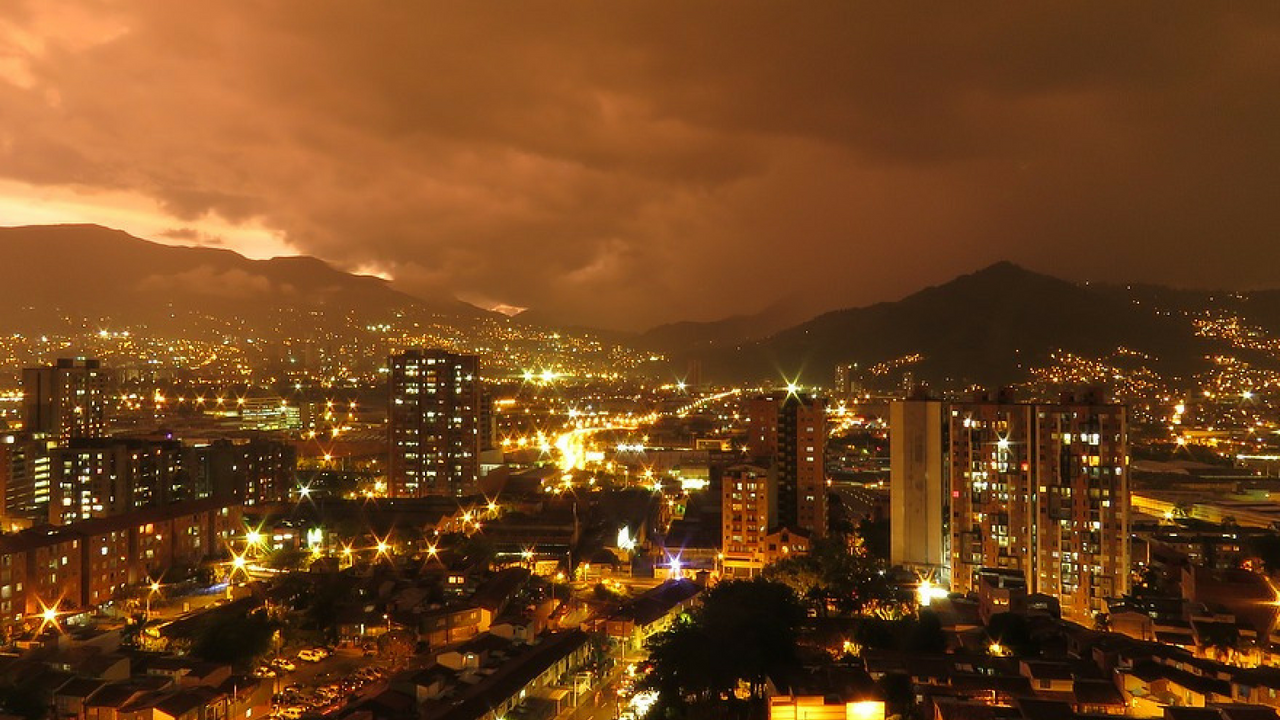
(989, 327)
(704, 336)
(62, 273)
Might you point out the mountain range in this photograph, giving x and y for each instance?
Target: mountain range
(993, 326)
(66, 272)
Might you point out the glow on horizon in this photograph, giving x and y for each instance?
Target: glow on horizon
(25, 204)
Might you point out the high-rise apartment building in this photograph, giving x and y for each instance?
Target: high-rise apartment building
(1038, 489)
(65, 400)
(919, 536)
(25, 475)
(1081, 500)
(434, 419)
(744, 512)
(96, 478)
(848, 380)
(760, 415)
(991, 461)
(788, 431)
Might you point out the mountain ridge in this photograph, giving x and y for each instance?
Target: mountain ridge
(94, 271)
(988, 327)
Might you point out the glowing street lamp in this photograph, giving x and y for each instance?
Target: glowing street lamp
(238, 563)
(48, 616)
(382, 547)
(927, 592)
(155, 588)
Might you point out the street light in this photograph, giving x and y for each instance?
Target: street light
(155, 588)
(48, 616)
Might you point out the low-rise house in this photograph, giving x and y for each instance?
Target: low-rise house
(448, 625)
(107, 702)
(529, 672)
(828, 693)
(475, 653)
(1098, 697)
(1048, 679)
(69, 699)
(650, 613)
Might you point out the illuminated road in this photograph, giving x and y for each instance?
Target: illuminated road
(601, 704)
(573, 445)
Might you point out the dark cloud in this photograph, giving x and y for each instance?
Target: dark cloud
(192, 236)
(205, 280)
(628, 163)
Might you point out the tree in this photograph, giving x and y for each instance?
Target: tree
(744, 632)
(287, 558)
(1267, 549)
(832, 577)
(232, 638)
(131, 633)
(606, 593)
(927, 635)
(875, 537)
(1012, 631)
(476, 549)
(1149, 582)
(923, 634)
(396, 645)
(24, 700)
(899, 694)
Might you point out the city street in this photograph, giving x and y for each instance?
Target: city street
(599, 704)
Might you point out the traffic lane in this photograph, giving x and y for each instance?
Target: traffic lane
(601, 704)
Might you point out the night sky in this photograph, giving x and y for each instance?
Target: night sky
(623, 164)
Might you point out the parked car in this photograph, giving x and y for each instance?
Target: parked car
(284, 664)
(313, 655)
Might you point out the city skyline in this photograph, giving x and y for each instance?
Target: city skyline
(562, 361)
(595, 165)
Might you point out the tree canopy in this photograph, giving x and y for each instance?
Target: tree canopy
(832, 577)
(232, 638)
(744, 632)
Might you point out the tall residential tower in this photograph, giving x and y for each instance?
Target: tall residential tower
(919, 538)
(788, 433)
(65, 400)
(434, 423)
(1036, 489)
